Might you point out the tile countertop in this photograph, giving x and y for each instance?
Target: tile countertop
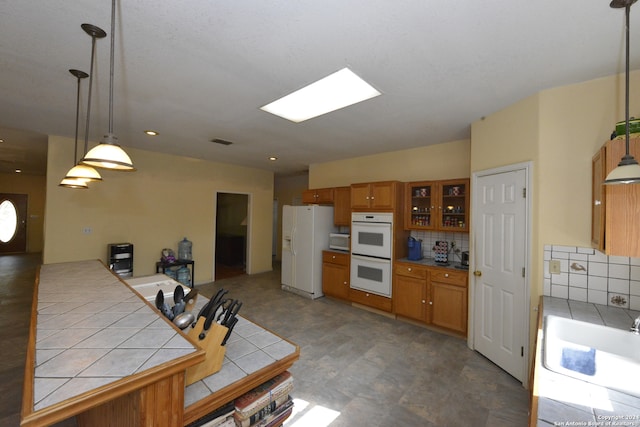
(564, 401)
(430, 262)
(93, 330)
(249, 348)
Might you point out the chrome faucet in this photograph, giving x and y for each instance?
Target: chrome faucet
(635, 328)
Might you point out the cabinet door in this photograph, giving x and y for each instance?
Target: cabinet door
(324, 195)
(342, 206)
(622, 208)
(453, 206)
(383, 195)
(309, 196)
(409, 297)
(420, 197)
(598, 168)
(360, 195)
(335, 280)
(448, 306)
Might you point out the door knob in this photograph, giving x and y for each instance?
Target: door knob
(477, 273)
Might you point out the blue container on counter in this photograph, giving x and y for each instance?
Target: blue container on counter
(415, 249)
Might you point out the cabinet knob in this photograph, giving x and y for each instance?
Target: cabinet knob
(446, 274)
(423, 301)
(408, 268)
(367, 294)
(344, 283)
(430, 302)
(372, 197)
(597, 202)
(333, 256)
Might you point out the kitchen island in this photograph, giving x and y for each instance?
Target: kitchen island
(559, 400)
(99, 352)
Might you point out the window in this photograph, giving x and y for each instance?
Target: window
(8, 221)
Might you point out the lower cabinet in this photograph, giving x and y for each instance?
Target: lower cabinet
(335, 274)
(370, 300)
(434, 295)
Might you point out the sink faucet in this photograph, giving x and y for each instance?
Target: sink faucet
(635, 328)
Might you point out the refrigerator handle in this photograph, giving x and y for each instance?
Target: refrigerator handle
(293, 241)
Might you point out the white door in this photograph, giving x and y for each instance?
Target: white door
(500, 303)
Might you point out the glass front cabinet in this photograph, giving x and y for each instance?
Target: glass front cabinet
(437, 205)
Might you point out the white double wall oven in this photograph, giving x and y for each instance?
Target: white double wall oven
(371, 252)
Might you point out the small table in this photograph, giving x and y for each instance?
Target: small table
(161, 266)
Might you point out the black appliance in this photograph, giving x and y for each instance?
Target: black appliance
(464, 260)
(120, 258)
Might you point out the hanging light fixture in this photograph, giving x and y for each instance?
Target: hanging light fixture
(80, 171)
(68, 181)
(628, 170)
(108, 154)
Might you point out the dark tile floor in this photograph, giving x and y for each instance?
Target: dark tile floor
(356, 368)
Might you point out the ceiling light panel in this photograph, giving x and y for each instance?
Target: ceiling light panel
(336, 91)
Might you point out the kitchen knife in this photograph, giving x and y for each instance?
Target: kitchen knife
(190, 300)
(211, 315)
(232, 323)
(231, 313)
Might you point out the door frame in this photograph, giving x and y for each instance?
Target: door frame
(528, 169)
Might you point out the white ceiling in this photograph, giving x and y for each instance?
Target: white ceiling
(200, 69)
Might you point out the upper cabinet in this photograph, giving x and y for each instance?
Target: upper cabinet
(374, 196)
(437, 205)
(318, 196)
(342, 206)
(621, 204)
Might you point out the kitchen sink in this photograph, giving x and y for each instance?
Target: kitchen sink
(597, 354)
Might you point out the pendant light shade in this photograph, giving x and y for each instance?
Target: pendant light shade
(75, 181)
(628, 170)
(108, 154)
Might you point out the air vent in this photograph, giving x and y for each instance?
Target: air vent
(221, 141)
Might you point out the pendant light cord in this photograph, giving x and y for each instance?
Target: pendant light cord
(113, 31)
(86, 129)
(75, 150)
(626, 98)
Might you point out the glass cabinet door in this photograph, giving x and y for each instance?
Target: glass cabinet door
(421, 197)
(454, 207)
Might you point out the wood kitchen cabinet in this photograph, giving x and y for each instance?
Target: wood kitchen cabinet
(433, 295)
(382, 196)
(342, 206)
(621, 205)
(448, 299)
(318, 196)
(335, 274)
(370, 300)
(410, 291)
(437, 205)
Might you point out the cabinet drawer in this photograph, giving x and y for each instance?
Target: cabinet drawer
(335, 257)
(458, 278)
(370, 300)
(411, 270)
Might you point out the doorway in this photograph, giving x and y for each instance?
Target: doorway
(500, 291)
(232, 223)
(13, 223)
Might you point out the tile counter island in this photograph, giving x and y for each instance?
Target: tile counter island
(99, 351)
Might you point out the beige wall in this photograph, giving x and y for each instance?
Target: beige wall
(166, 199)
(440, 161)
(559, 130)
(34, 187)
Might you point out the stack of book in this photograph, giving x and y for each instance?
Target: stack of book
(221, 417)
(267, 405)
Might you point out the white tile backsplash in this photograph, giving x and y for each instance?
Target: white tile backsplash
(588, 275)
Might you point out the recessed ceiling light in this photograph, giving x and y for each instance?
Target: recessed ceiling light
(151, 132)
(18, 170)
(273, 158)
(1, 141)
(338, 90)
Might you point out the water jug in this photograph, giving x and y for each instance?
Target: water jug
(183, 275)
(184, 250)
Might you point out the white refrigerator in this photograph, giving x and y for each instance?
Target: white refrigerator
(305, 234)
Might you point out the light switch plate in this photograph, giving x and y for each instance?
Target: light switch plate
(554, 266)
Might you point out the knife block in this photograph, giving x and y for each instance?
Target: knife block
(212, 345)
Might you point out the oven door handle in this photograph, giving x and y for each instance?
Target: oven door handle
(370, 259)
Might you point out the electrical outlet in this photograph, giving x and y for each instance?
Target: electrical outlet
(554, 266)
(87, 230)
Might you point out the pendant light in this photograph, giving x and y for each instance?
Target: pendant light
(67, 181)
(108, 154)
(80, 171)
(628, 170)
